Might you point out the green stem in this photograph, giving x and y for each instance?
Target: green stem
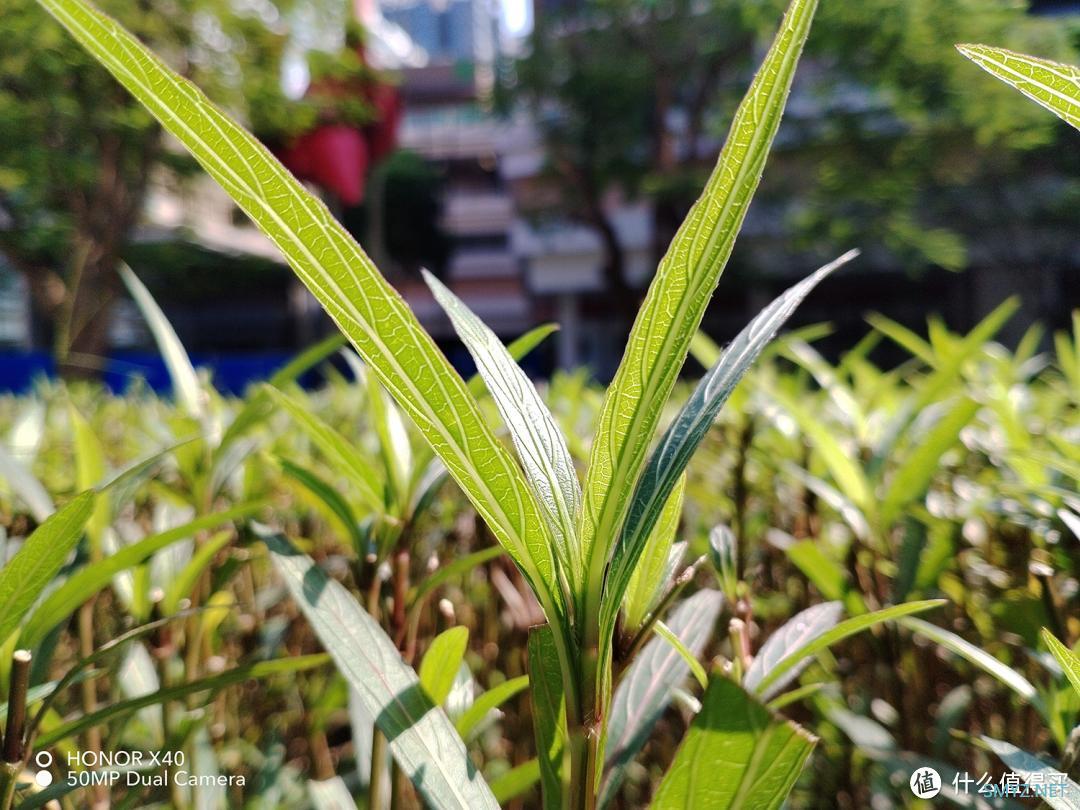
(377, 783)
(9, 777)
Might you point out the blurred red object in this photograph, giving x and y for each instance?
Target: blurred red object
(335, 157)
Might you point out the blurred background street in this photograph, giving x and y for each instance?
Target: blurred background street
(538, 156)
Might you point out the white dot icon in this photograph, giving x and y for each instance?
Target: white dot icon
(43, 759)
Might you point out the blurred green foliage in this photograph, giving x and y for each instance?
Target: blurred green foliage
(890, 142)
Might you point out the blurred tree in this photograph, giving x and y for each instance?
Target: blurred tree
(77, 154)
(633, 97)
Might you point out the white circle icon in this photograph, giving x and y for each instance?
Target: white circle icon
(925, 783)
(43, 759)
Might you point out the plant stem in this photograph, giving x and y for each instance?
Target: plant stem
(377, 782)
(89, 695)
(9, 777)
(16, 719)
(16, 727)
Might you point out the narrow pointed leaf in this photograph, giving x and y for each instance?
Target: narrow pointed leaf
(40, 559)
(25, 486)
(914, 475)
(368, 310)
(1051, 84)
(846, 472)
(1069, 661)
(549, 714)
(183, 584)
(422, 738)
(487, 702)
(333, 500)
(346, 459)
(671, 313)
(839, 633)
(441, 662)
(90, 579)
(540, 445)
(516, 780)
(257, 405)
(668, 635)
(800, 630)
(1056, 789)
(680, 441)
(185, 380)
(645, 691)
(262, 669)
(393, 438)
(517, 348)
(89, 472)
(736, 755)
(980, 658)
(650, 578)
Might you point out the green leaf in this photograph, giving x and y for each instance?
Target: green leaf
(257, 406)
(736, 754)
(645, 690)
(980, 658)
(329, 496)
(946, 372)
(913, 477)
(842, 631)
(488, 701)
(651, 576)
(421, 737)
(393, 438)
(346, 459)
(541, 447)
(517, 349)
(26, 487)
(368, 310)
(1069, 661)
(89, 472)
(184, 582)
(185, 380)
(798, 631)
(441, 661)
(676, 301)
(903, 337)
(516, 781)
(549, 714)
(1051, 84)
(90, 579)
(681, 439)
(824, 573)
(1038, 774)
(668, 635)
(724, 554)
(787, 698)
(845, 470)
(454, 568)
(263, 669)
(40, 559)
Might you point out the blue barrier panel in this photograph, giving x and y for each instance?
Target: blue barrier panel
(231, 374)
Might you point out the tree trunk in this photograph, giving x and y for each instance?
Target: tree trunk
(81, 336)
(103, 222)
